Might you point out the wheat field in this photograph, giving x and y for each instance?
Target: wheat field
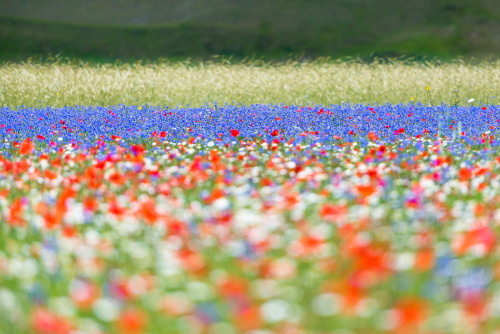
(185, 83)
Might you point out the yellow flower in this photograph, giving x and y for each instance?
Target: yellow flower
(428, 87)
(140, 108)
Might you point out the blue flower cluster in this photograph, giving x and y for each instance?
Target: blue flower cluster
(325, 124)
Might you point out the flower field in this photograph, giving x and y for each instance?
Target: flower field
(255, 219)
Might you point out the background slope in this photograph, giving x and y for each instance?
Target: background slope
(130, 29)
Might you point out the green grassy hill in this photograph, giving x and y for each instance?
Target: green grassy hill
(131, 29)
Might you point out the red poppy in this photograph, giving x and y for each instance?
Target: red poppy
(411, 312)
(464, 174)
(481, 238)
(235, 133)
(16, 211)
(148, 211)
(45, 322)
(132, 321)
(424, 259)
(372, 136)
(138, 149)
(365, 189)
(247, 319)
(26, 147)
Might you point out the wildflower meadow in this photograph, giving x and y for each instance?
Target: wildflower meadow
(251, 218)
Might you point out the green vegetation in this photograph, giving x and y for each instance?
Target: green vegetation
(107, 30)
(196, 83)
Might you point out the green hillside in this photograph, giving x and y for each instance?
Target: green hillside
(129, 29)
